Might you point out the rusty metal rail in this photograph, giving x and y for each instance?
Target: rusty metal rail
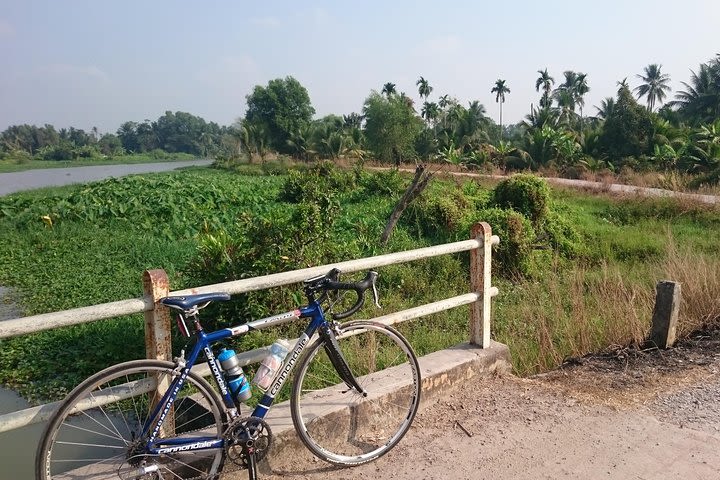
(157, 319)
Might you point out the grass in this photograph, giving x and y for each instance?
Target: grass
(104, 235)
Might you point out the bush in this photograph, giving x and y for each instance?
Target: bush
(283, 240)
(524, 193)
(387, 182)
(321, 180)
(562, 235)
(513, 257)
(441, 213)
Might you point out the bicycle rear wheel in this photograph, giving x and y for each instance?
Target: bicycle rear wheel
(337, 423)
(96, 433)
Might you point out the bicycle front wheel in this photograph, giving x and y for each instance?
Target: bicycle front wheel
(341, 425)
(97, 432)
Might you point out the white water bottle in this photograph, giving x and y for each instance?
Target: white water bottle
(271, 364)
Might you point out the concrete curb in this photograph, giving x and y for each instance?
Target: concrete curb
(440, 371)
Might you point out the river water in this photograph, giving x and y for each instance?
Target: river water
(54, 177)
(18, 446)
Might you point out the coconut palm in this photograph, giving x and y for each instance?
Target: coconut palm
(424, 88)
(700, 101)
(430, 111)
(570, 93)
(444, 101)
(580, 88)
(546, 82)
(500, 89)
(388, 89)
(606, 107)
(565, 93)
(622, 84)
(655, 85)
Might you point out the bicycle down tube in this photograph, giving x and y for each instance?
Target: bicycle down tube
(202, 344)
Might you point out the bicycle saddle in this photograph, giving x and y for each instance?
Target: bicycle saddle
(187, 302)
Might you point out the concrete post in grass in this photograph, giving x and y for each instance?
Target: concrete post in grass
(158, 340)
(480, 282)
(665, 314)
(157, 321)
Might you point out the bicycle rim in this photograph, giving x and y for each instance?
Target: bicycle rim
(97, 432)
(337, 423)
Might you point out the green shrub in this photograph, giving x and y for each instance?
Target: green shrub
(513, 257)
(440, 213)
(524, 193)
(320, 180)
(561, 235)
(386, 182)
(288, 238)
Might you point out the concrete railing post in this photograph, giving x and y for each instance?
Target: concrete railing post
(665, 314)
(158, 340)
(157, 321)
(480, 283)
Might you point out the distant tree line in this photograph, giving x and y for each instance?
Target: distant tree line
(682, 134)
(177, 132)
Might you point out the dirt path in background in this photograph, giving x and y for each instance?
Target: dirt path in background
(623, 415)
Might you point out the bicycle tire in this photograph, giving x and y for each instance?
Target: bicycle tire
(336, 423)
(101, 441)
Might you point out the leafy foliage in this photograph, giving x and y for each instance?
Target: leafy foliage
(524, 193)
(169, 205)
(281, 108)
(627, 130)
(391, 127)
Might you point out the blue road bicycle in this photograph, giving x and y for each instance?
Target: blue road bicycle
(355, 392)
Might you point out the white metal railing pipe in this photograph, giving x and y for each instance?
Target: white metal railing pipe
(46, 321)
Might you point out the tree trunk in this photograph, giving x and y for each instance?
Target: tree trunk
(416, 187)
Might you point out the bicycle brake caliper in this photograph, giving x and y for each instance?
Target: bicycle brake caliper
(180, 363)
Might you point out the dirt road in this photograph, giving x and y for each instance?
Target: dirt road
(656, 415)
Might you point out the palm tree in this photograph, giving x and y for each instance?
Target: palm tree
(580, 88)
(622, 84)
(565, 93)
(570, 93)
(500, 89)
(655, 85)
(388, 89)
(424, 88)
(700, 101)
(606, 107)
(444, 101)
(430, 111)
(546, 82)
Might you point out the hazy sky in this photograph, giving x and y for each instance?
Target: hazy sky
(86, 63)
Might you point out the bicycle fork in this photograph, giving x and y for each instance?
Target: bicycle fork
(332, 348)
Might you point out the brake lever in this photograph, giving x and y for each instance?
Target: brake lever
(376, 295)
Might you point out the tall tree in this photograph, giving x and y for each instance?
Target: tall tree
(430, 111)
(700, 101)
(546, 82)
(628, 128)
(500, 89)
(388, 89)
(655, 85)
(606, 107)
(580, 88)
(424, 88)
(281, 108)
(391, 127)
